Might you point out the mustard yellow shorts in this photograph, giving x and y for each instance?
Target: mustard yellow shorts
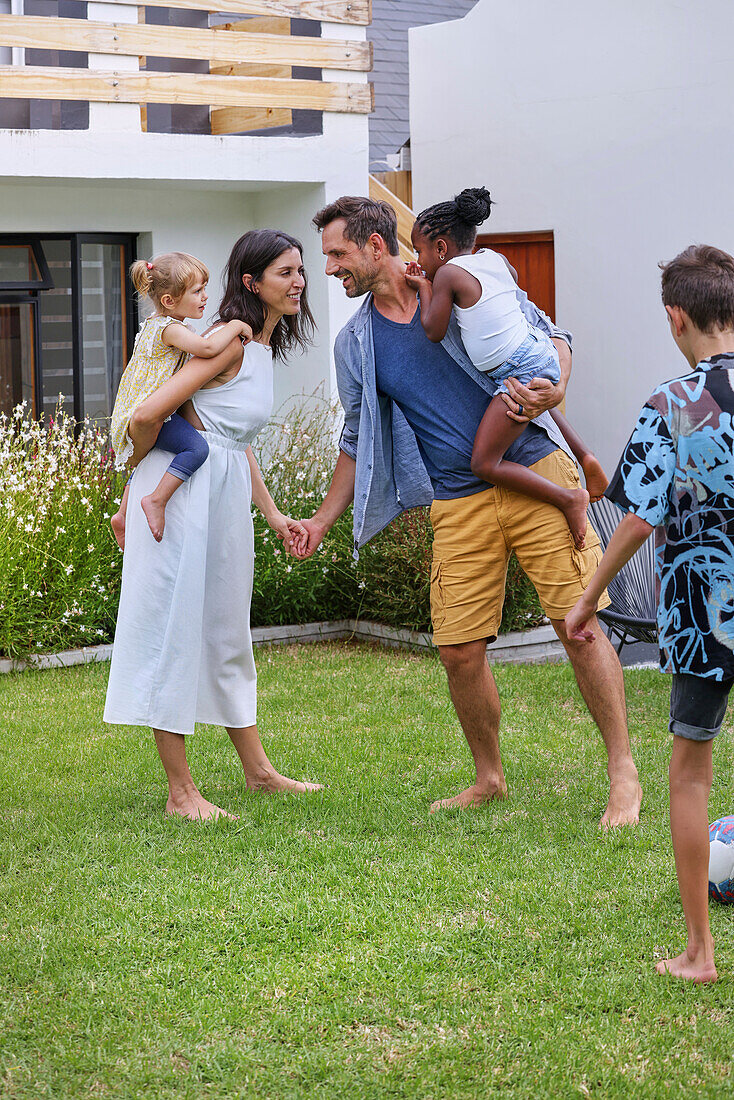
(473, 538)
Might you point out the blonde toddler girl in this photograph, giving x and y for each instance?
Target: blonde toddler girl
(176, 285)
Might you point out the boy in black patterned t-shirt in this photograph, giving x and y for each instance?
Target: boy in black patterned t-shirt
(677, 475)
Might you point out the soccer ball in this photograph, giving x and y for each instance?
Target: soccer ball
(721, 859)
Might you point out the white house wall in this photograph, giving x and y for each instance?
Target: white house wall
(204, 221)
(611, 124)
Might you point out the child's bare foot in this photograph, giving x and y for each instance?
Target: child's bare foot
(472, 796)
(117, 523)
(575, 513)
(695, 966)
(596, 480)
(155, 513)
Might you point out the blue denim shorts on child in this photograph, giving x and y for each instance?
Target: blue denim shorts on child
(535, 358)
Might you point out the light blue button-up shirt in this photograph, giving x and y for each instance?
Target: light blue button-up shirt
(390, 475)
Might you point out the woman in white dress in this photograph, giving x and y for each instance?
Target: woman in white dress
(183, 649)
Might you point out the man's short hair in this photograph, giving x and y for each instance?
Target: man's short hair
(700, 281)
(363, 217)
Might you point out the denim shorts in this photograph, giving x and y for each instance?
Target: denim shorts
(535, 358)
(697, 706)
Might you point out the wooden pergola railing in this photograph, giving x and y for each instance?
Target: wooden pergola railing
(250, 61)
(404, 214)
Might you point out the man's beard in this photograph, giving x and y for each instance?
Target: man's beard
(361, 283)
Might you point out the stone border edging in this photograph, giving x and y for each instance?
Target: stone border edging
(519, 647)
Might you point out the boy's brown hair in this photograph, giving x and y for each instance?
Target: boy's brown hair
(363, 217)
(700, 281)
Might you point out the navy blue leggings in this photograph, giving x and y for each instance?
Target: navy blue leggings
(189, 446)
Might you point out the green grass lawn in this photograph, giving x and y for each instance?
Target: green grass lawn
(346, 944)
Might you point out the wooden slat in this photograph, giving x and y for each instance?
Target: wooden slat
(239, 120)
(243, 120)
(38, 32)
(405, 215)
(98, 86)
(358, 12)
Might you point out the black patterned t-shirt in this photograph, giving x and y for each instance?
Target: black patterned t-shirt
(677, 473)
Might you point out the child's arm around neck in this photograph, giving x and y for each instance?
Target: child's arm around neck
(205, 347)
(437, 298)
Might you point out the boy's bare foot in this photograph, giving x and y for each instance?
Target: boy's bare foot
(596, 480)
(694, 967)
(575, 513)
(194, 807)
(472, 796)
(155, 513)
(117, 523)
(623, 807)
(271, 782)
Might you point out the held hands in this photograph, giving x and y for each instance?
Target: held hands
(314, 537)
(415, 277)
(291, 532)
(577, 618)
(524, 403)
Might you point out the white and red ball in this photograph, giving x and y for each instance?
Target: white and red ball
(721, 859)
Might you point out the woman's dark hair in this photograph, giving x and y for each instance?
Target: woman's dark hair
(457, 218)
(701, 282)
(251, 254)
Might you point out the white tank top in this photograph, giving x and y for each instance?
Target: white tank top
(495, 326)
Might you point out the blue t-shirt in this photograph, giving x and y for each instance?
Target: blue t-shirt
(442, 405)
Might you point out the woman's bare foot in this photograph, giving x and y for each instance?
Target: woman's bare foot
(155, 513)
(117, 523)
(623, 807)
(271, 782)
(596, 480)
(472, 796)
(695, 965)
(575, 513)
(194, 807)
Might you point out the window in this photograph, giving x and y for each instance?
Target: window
(67, 321)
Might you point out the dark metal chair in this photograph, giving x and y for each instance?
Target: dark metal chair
(632, 614)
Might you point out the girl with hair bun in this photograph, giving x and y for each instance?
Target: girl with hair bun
(176, 285)
(480, 289)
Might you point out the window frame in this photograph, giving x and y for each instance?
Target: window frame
(15, 292)
(34, 241)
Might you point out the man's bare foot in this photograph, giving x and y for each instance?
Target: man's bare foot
(696, 967)
(575, 513)
(117, 523)
(472, 796)
(594, 476)
(194, 807)
(271, 782)
(623, 807)
(155, 513)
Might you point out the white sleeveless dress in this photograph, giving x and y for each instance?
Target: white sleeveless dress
(183, 649)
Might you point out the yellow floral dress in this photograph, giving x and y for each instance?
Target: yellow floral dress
(151, 363)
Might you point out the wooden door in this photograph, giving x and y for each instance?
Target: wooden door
(531, 254)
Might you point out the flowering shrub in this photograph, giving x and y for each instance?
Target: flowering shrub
(391, 581)
(60, 566)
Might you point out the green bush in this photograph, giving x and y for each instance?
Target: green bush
(60, 567)
(390, 583)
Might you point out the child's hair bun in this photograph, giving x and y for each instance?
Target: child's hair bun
(473, 205)
(140, 276)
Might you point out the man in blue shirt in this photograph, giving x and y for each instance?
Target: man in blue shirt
(411, 411)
